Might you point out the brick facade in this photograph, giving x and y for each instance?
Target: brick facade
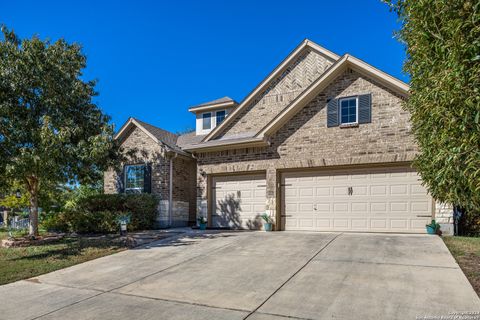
(306, 142)
(303, 142)
(149, 151)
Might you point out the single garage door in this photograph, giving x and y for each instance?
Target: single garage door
(238, 201)
(373, 200)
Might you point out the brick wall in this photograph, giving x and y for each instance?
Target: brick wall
(183, 175)
(305, 141)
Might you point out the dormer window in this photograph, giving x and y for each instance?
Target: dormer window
(207, 121)
(220, 116)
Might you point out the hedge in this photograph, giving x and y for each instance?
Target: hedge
(99, 214)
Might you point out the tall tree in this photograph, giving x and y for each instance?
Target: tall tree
(442, 41)
(51, 131)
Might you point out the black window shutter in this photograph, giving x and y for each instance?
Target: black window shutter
(121, 181)
(147, 179)
(332, 113)
(365, 108)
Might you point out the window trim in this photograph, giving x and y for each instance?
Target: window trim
(142, 189)
(203, 119)
(340, 111)
(216, 116)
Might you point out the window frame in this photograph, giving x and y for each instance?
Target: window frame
(340, 111)
(216, 116)
(203, 120)
(125, 169)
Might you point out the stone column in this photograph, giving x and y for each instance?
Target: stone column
(271, 194)
(444, 217)
(201, 193)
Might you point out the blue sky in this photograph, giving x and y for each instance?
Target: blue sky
(154, 59)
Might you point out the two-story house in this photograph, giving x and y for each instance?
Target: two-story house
(321, 144)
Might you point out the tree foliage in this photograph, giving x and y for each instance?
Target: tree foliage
(51, 131)
(442, 40)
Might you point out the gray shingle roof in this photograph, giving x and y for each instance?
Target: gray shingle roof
(216, 101)
(189, 139)
(167, 137)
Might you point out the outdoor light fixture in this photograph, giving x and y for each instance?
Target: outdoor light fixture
(18, 194)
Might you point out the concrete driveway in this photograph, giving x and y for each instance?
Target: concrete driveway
(254, 275)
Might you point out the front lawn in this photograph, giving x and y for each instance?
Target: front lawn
(466, 251)
(23, 263)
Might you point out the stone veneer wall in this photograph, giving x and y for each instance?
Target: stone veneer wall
(183, 210)
(444, 217)
(306, 142)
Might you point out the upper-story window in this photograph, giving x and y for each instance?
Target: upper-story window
(134, 178)
(207, 121)
(220, 116)
(349, 110)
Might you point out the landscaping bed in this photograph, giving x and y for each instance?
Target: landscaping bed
(466, 251)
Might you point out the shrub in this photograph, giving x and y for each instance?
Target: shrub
(100, 213)
(55, 222)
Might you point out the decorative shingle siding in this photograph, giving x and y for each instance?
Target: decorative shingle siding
(280, 92)
(306, 141)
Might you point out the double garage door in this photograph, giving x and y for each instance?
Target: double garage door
(373, 200)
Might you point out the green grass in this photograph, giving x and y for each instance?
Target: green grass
(23, 263)
(466, 251)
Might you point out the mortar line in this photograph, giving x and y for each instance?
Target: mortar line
(292, 276)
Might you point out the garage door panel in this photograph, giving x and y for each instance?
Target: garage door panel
(340, 223)
(305, 192)
(420, 207)
(377, 207)
(339, 207)
(360, 224)
(378, 224)
(361, 207)
(399, 224)
(340, 191)
(378, 190)
(323, 207)
(238, 201)
(401, 189)
(416, 189)
(323, 192)
(306, 223)
(383, 200)
(323, 223)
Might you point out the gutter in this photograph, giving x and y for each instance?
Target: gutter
(247, 143)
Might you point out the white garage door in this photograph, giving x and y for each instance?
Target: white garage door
(382, 200)
(239, 201)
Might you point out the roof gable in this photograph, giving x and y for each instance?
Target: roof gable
(346, 61)
(263, 85)
(158, 135)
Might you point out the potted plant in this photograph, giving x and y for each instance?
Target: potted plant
(267, 224)
(202, 222)
(433, 227)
